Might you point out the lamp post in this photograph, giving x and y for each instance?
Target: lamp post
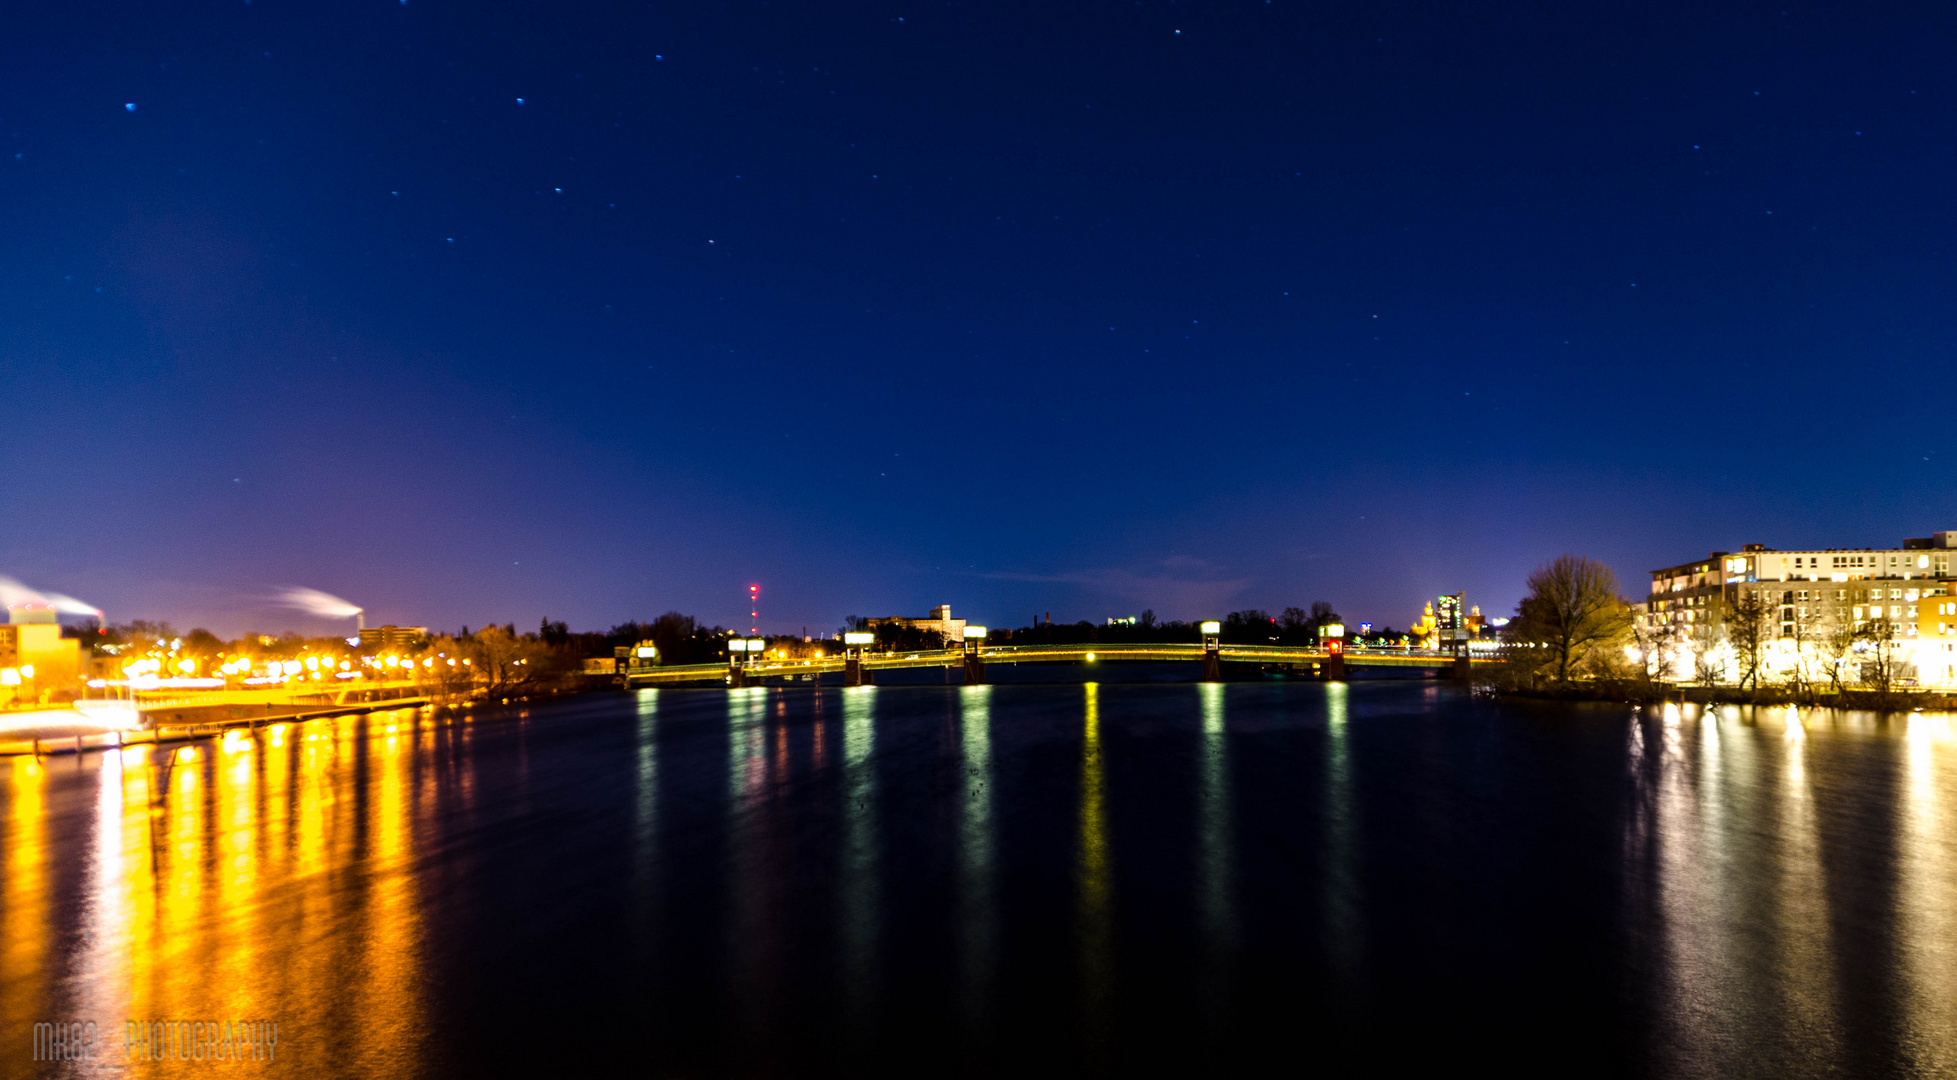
(1212, 651)
(854, 643)
(974, 663)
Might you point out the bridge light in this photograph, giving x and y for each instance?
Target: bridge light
(756, 645)
(975, 633)
(858, 638)
(647, 652)
(737, 645)
(1332, 630)
(1212, 627)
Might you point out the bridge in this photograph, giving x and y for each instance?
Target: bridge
(859, 666)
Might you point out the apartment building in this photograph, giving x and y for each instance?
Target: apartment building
(1905, 592)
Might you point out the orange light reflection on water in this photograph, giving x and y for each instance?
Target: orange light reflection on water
(266, 875)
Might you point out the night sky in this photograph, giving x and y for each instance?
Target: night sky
(593, 311)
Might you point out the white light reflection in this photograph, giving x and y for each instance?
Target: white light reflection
(1803, 927)
(1927, 898)
(748, 894)
(978, 923)
(861, 881)
(1344, 924)
(645, 814)
(1215, 858)
(1690, 892)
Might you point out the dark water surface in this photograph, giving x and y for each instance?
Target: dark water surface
(1012, 879)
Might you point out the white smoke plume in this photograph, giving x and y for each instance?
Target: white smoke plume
(314, 602)
(13, 592)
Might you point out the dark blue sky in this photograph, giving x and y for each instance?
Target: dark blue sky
(592, 311)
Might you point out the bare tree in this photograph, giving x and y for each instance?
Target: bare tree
(1885, 665)
(1810, 627)
(1839, 636)
(1572, 607)
(1655, 645)
(1707, 636)
(503, 661)
(444, 669)
(1752, 617)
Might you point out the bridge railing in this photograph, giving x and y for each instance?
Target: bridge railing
(1055, 653)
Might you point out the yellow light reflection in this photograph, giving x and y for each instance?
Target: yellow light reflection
(1095, 887)
(102, 966)
(390, 1000)
(24, 900)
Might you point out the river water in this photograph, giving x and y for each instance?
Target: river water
(1094, 879)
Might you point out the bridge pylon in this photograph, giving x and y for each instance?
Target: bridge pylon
(974, 663)
(1333, 669)
(1212, 652)
(855, 644)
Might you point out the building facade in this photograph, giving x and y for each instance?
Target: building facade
(35, 660)
(1902, 594)
(391, 637)
(939, 620)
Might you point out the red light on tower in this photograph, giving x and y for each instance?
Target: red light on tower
(754, 610)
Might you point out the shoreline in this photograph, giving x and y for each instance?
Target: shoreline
(1653, 694)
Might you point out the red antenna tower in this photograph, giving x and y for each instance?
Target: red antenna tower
(754, 609)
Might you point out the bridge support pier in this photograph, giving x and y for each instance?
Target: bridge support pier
(853, 673)
(736, 678)
(974, 669)
(1333, 669)
(1459, 671)
(1212, 665)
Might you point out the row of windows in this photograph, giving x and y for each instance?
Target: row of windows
(1911, 595)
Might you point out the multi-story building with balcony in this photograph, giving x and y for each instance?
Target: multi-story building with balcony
(1902, 593)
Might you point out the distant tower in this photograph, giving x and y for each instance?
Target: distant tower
(754, 610)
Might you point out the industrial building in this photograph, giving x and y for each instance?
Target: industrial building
(36, 662)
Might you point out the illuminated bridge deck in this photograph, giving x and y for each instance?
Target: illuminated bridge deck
(1049, 654)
